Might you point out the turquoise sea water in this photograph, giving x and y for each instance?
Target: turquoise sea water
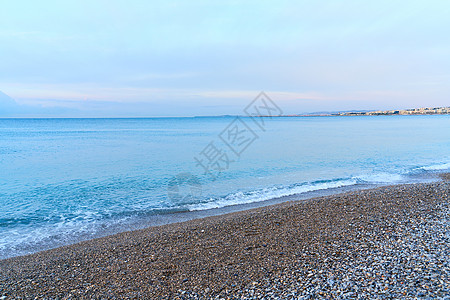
(65, 180)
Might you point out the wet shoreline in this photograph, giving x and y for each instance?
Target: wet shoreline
(383, 242)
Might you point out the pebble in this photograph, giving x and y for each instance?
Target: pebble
(389, 242)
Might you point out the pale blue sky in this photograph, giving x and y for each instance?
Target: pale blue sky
(182, 58)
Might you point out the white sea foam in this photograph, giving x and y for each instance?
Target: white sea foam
(283, 191)
(437, 167)
(30, 239)
(269, 193)
(380, 178)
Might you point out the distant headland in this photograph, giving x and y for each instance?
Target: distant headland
(411, 111)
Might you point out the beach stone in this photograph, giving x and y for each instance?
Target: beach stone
(389, 242)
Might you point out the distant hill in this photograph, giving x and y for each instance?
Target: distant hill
(7, 105)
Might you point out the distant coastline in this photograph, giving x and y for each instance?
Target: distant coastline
(404, 112)
(412, 111)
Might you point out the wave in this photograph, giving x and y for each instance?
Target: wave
(270, 193)
(436, 167)
(260, 195)
(381, 178)
(25, 238)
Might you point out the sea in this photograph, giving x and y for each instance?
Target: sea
(67, 180)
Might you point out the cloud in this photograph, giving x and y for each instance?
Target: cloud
(192, 57)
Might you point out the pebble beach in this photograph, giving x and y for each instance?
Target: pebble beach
(383, 243)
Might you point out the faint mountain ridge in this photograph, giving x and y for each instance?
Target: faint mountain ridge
(7, 105)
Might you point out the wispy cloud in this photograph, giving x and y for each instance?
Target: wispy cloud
(191, 56)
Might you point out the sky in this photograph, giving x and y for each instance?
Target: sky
(185, 58)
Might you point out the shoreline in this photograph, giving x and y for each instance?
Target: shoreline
(291, 248)
(153, 220)
(156, 220)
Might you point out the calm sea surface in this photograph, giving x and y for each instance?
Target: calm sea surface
(66, 180)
